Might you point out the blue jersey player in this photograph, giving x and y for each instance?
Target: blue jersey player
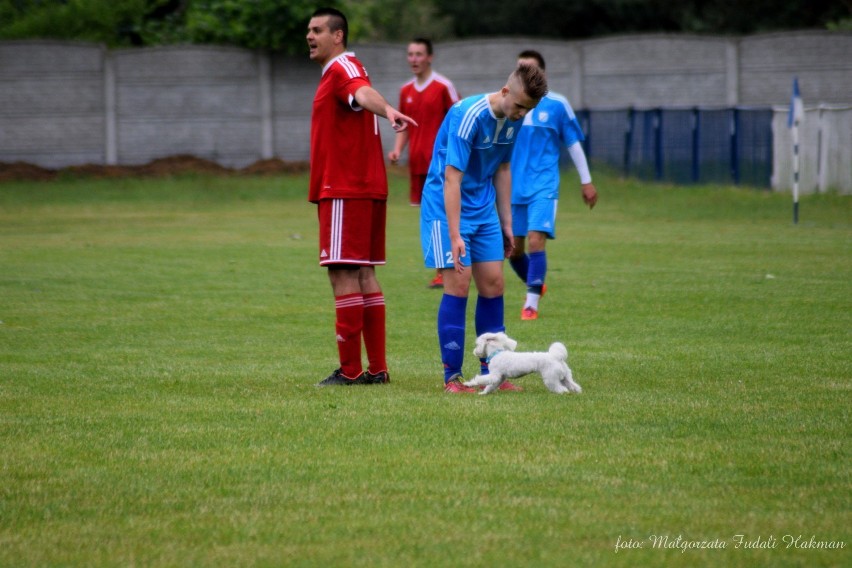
(535, 184)
(465, 215)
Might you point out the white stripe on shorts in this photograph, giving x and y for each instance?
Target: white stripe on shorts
(336, 229)
(437, 245)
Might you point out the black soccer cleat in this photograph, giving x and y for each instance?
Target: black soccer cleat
(337, 379)
(380, 378)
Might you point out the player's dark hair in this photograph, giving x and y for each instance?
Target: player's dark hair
(532, 54)
(336, 21)
(424, 41)
(532, 79)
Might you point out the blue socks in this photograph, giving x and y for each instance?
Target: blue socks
(451, 328)
(537, 271)
(520, 265)
(488, 318)
(531, 268)
(451, 323)
(489, 315)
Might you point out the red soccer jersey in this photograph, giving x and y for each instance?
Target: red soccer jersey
(347, 160)
(427, 104)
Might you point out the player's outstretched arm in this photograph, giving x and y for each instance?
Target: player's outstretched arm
(372, 100)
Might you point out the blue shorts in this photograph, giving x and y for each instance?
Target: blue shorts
(538, 215)
(482, 243)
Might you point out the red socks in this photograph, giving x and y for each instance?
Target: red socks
(349, 310)
(358, 314)
(374, 331)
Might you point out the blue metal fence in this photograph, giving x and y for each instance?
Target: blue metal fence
(731, 145)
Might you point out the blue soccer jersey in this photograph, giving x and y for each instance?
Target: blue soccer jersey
(535, 162)
(474, 141)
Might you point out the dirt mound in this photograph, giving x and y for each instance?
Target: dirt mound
(275, 166)
(25, 171)
(162, 167)
(183, 164)
(97, 171)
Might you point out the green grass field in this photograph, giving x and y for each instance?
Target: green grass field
(160, 342)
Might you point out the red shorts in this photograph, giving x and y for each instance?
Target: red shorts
(352, 231)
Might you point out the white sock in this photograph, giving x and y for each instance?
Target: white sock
(532, 301)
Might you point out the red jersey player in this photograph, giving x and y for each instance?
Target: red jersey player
(348, 183)
(426, 98)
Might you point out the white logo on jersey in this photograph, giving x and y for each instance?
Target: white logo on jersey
(543, 116)
(324, 254)
(510, 132)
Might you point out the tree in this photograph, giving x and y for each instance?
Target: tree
(280, 25)
(258, 24)
(395, 20)
(268, 24)
(568, 19)
(89, 20)
(254, 24)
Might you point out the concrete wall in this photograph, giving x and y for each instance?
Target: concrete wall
(193, 99)
(52, 110)
(294, 81)
(643, 71)
(822, 61)
(68, 103)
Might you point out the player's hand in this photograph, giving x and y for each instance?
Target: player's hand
(393, 156)
(459, 252)
(508, 243)
(398, 120)
(590, 194)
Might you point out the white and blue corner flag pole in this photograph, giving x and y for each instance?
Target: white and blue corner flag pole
(793, 119)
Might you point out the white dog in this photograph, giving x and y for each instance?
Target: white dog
(503, 363)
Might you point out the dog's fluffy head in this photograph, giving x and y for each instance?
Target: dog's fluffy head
(488, 343)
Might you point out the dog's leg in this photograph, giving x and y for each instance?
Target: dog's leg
(480, 380)
(491, 382)
(555, 387)
(569, 384)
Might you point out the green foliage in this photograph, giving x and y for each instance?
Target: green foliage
(103, 21)
(257, 24)
(280, 26)
(395, 20)
(843, 24)
(160, 339)
(260, 24)
(267, 24)
(271, 24)
(581, 18)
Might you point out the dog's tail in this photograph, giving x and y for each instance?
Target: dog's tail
(559, 351)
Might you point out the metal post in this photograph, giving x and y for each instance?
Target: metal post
(110, 114)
